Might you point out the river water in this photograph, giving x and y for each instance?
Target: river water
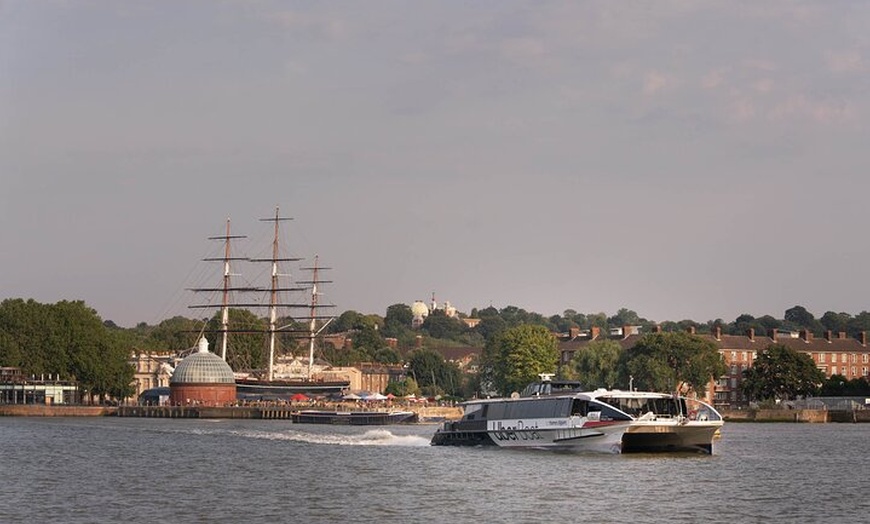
(86, 470)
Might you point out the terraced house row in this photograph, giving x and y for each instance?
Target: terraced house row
(834, 354)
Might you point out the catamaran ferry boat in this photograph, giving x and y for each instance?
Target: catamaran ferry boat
(559, 415)
(664, 422)
(549, 415)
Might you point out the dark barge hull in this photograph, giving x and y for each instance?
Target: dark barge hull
(664, 443)
(462, 433)
(251, 389)
(354, 418)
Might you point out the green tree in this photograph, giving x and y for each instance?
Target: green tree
(173, 334)
(839, 386)
(246, 339)
(349, 320)
(666, 361)
(397, 320)
(368, 340)
(836, 322)
(434, 375)
(516, 357)
(387, 355)
(67, 339)
(781, 373)
(439, 325)
(859, 323)
(597, 365)
(799, 317)
(403, 388)
(491, 326)
(625, 317)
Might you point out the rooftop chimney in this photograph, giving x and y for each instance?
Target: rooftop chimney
(657, 329)
(691, 330)
(773, 333)
(829, 335)
(806, 335)
(717, 332)
(862, 338)
(574, 332)
(751, 334)
(595, 331)
(841, 334)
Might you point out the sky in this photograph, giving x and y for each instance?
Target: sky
(683, 159)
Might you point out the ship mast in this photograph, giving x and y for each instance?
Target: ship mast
(274, 293)
(315, 305)
(275, 289)
(227, 288)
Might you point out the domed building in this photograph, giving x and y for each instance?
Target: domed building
(202, 378)
(419, 311)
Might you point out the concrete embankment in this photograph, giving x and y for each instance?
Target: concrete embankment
(438, 413)
(795, 415)
(40, 410)
(278, 412)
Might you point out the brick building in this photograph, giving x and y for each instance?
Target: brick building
(833, 355)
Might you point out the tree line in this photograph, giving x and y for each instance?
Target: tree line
(67, 340)
(70, 339)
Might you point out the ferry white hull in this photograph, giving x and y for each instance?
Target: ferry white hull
(570, 434)
(603, 438)
(670, 435)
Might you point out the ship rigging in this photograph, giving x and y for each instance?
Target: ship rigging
(313, 321)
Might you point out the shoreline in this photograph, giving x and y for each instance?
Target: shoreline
(426, 414)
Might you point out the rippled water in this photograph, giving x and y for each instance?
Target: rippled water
(83, 470)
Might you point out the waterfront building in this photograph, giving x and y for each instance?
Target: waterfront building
(152, 369)
(202, 378)
(17, 388)
(833, 355)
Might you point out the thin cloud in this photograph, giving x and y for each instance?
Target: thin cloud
(524, 50)
(820, 111)
(760, 64)
(765, 85)
(742, 110)
(656, 82)
(325, 26)
(847, 62)
(713, 79)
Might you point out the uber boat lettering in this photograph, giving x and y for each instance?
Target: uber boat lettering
(508, 425)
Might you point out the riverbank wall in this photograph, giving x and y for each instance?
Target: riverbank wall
(426, 414)
(819, 416)
(265, 412)
(42, 410)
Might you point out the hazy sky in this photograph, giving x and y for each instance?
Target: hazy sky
(683, 159)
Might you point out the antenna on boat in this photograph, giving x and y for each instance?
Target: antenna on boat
(546, 377)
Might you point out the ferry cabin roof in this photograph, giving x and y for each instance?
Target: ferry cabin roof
(540, 407)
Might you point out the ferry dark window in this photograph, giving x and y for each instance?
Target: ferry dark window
(580, 407)
(608, 413)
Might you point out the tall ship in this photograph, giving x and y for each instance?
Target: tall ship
(304, 321)
(560, 415)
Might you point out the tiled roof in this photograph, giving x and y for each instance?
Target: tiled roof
(744, 343)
